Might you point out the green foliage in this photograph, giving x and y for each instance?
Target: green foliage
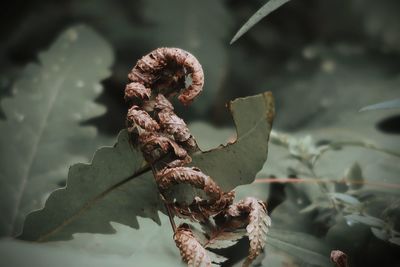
(390, 104)
(127, 247)
(117, 186)
(264, 11)
(305, 248)
(42, 134)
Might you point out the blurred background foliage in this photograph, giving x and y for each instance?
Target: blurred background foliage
(323, 61)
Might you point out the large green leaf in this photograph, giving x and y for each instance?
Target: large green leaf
(117, 186)
(128, 247)
(42, 135)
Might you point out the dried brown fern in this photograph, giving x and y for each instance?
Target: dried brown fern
(191, 250)
(257, 226)
(166, 143)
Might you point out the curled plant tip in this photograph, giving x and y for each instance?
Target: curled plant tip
(191, 250)
(140, 121)
(173, 125)
(221, 204)
(339, 258)
(154, 146)
(258, 224)
(162, 103)
(201, 210)
(166, 142)
(192, 176)
(150, 67)
(136, 91)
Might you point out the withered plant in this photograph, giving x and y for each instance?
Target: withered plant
(166, 144)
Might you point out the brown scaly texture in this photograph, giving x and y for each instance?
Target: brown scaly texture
(258, 224)
(150, 67)
(166, 142)
(191, 250)
(172, 124)
(339, 258)
(137, 91)
(140, 121)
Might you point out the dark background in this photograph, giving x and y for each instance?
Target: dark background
(289, 53)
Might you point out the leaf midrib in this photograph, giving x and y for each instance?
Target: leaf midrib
(35, 147)
(88, 204)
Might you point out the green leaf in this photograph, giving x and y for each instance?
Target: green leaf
(128, 247)
(117, 186)
(391, 104)
(380, 233)
(208, 136)
(237, 163)
(306, 248)
(354, 175)
(365, 219)
(42, 134)
(264, 11)
(347, 199)
(395, 240)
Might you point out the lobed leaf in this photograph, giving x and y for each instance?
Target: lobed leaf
(42, 134)
(117, 186)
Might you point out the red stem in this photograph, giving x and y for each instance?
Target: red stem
(314, 180)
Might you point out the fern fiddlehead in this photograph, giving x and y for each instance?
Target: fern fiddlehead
(166, 144)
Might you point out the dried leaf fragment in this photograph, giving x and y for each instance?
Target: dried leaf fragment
(339, 258)
(191, 250)
(189, 175)
(258, 224)
(155, 145)
(139, 121)
(137, 91)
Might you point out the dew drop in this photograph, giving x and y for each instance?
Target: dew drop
(309, 53)
(328, 66)
(72, 35)
(77, 116)
(14, 90)
(19, 116)
(97, 88)
(55, 68)
(80, 84)
(98, 60)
